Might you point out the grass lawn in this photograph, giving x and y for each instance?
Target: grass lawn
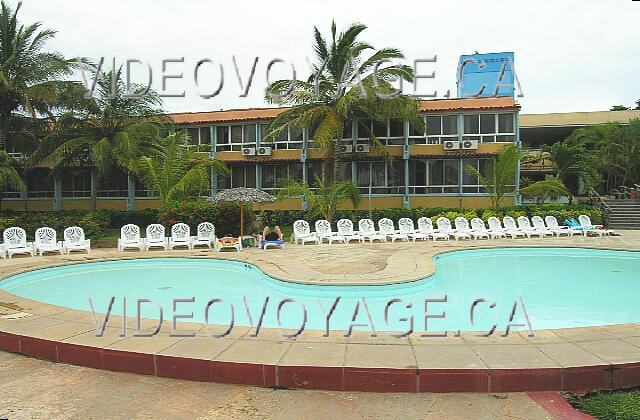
(618, 405)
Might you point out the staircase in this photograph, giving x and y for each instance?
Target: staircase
(623, 214)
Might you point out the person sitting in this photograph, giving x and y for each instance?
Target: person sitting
(275, 235)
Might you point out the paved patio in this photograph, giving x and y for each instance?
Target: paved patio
(564, 359)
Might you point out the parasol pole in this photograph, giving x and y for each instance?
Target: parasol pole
(241, 221)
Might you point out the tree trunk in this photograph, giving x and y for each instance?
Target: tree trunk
(3, 136)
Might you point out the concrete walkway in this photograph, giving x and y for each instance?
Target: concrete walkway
(36, 389)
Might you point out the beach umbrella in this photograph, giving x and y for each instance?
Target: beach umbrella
(242, 196)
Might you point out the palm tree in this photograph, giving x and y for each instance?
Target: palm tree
(176, 172)
(29, 77)
(109, 133)
(325, 198)
(550, 187)
(345, 84)
(9, 177)
(500, 177)
(573, 163)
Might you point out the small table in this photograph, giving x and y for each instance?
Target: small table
(250, 240)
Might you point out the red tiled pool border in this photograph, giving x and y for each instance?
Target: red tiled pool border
(329, 377)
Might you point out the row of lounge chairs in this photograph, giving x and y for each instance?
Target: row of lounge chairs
(15, 241)
(180, 237)
(476, 229)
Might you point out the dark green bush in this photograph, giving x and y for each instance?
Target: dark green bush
(560, 211)
(225, 216)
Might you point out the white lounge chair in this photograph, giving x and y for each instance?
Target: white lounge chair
(237, 245)
(511, 228)
(444, 226)
(586, 227)
(553, 226)
(425, 226)
(477, 225)
(180, 236)
(46, 241)
(323, 231)
(406, 227)
(345, 229)
(524, 224)
(130, 238)
(538, 224)
(15, 242)
(74, 240)
(155, 237)
(271, 244)
(385, 226)
(367, 229)
(462, 225)
(206, 235)
(302, 233)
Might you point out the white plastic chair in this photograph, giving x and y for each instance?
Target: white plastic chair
(406, 227)
(345, 229)
(444, 226)
(130, 238)
(367, 229)
(586, 226)
(180, 236)
(511, 228)
(74, 240)
(425, 226)
(15, 242)
(462, 225)
(302, 233)
(155, 237)
(385, 226)
(538, 224)
(552, 225)
(206, 235)
(323, 231)
(46, 241)
(524, 224)
(478, 227)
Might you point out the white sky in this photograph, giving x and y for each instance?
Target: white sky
(570, 55)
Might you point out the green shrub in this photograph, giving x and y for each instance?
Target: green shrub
(225, 216)
(560, 211)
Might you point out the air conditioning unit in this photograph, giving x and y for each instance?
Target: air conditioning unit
(363, 148)
(264, 151)
(345, 148)
(17, 156)
(451, 145)
(248, 151)
(469, 144)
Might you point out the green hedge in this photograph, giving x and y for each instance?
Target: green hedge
(226, 218)
(560, 211)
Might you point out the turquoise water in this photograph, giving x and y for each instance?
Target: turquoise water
(555, 287)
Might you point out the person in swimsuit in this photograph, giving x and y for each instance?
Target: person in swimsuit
(275, 235)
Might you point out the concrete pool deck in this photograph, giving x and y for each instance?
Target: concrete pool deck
(563, 359)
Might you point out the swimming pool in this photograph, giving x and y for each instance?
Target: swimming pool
(550, 288)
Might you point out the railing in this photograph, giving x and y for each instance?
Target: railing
(606, 210)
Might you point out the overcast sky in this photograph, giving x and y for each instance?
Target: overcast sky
(570, 55)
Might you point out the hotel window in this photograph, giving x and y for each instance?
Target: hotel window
(39, 183)
(434, 176)
(289, 138)
(240, 176)
(274, 175)
(489, 128)
(440, 128)
(470, 183)
(380, 177)
(115, 185)
(199, 136)
(388, 132)
(234, 137)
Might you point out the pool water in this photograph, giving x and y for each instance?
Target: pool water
(550, 287)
